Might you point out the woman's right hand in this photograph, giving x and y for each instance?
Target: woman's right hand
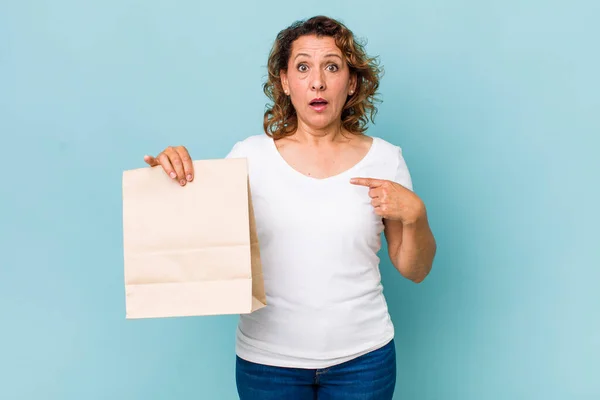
(176, 162)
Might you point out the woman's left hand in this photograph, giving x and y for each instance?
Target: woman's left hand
(393, 201)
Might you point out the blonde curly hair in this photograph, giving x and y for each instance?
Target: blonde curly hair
(280, 119)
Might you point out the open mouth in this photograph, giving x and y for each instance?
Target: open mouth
(318, 104)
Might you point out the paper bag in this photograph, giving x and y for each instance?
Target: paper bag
(191, 250)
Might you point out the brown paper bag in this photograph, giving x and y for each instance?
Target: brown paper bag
(191, 250)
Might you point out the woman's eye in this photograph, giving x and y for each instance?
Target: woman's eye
(302, 68)
(332, 67)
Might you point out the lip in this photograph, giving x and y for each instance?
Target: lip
(318, 107)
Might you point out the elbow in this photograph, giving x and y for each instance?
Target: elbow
(424, 271)
(418, 275)
(414, 276)
(418, 278)
(417, 270)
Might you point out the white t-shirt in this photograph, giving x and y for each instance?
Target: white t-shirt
(319, 240)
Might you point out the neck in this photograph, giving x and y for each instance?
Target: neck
(312, 136)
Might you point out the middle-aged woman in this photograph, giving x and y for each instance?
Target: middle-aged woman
(323, 191)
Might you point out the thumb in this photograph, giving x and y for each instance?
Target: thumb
(151, 161)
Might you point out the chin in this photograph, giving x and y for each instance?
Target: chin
(320, 122)
(319, 127)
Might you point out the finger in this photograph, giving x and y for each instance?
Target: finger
(188, 166)
(163, 159)
(369, 182)
(177, 164)
(374, 192)
(376, 202)
(151, 161)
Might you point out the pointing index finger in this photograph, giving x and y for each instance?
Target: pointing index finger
(368, 182)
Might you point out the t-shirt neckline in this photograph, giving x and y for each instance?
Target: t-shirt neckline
(340, 175)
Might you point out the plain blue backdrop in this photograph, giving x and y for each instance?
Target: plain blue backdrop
(495, 103)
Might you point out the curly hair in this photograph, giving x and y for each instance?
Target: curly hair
(280, 118)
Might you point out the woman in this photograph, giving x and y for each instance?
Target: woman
(323, 191)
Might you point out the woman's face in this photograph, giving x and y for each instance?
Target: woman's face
(318, 81)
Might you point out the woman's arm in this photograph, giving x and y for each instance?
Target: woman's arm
(411, 246)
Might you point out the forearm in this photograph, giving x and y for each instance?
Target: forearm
(414, 258)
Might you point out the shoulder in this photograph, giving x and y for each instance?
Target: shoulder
(250, 146)
(391, 155)
(385, 148)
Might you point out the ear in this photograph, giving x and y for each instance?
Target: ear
(352, 83)
(284, 81)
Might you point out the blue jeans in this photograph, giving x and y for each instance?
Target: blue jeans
(368, 377)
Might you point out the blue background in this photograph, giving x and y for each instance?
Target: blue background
(495, 104)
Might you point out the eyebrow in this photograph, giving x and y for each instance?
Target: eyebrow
(326, 55)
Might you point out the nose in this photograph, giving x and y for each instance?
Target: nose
(318, 82)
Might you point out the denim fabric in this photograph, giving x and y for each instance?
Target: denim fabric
(368, 377)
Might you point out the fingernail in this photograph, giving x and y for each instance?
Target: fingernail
(173, 175)
(189, 177)
(182, 182)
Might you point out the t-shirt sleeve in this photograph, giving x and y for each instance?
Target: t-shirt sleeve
(236, 151)
(402, 174)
